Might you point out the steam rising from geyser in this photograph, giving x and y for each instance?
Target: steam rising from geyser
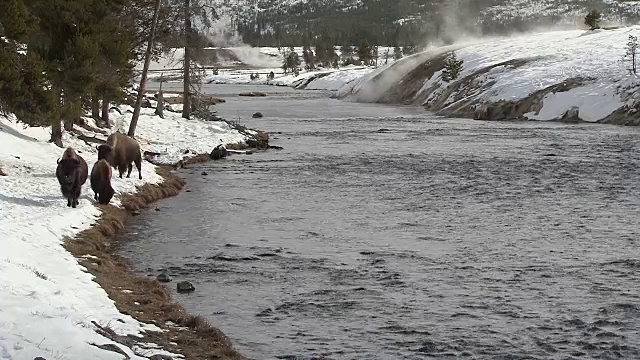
(223, 34)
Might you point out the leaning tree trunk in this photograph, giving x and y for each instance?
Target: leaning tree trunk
(105, 112)
(186, 107)
(145, 69)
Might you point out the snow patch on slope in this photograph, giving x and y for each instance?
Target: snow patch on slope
(547, 59)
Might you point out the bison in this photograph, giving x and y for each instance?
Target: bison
(101, 182)
(72, 173)
(120, 151)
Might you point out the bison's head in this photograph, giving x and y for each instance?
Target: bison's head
(105, 152)
(67, 168)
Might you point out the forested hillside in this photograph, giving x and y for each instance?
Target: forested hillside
(406, 22)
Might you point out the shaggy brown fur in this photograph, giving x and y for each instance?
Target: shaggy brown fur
(72, 173)
(121, 151)
(101, 182)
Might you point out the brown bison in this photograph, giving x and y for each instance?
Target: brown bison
(72, 173)
(120, 151)
(101, 182)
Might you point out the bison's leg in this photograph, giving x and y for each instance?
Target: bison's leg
(129, 168)
(121, 170)
(74, 203)
(95, 196)
(68, 202)
(139, 166)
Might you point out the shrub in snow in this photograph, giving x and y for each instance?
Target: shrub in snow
(452, 68)
(593, 19)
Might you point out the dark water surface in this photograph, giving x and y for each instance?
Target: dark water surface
(439, 238)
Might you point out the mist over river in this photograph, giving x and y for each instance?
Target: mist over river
(383, 232)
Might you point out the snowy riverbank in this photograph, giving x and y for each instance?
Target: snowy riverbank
(321, 79)
(50, 303)
(562, 75)
(237, 64)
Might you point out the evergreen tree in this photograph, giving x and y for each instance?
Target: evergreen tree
(593, 19)
(397, 53)
(364, 53)
(291, 61)
(374, 55)
(632, 53)
(321, 53)
(386, 56)
(308, 57)
(66, 43)
(332, 56)
(452, 68)
(346, 54)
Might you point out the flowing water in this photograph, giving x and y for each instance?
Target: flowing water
(435, 238)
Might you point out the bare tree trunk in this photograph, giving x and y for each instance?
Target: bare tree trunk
(160, 106)
(105, 112)
(145, 69)
(186, 107)
(95, 108)
(68, 124)
(56, 126)
(56, 133)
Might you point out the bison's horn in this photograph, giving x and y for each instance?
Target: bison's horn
(58, 161)
(98, 147)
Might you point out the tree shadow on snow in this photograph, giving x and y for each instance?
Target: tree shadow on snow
(44, 201)
(17, 134)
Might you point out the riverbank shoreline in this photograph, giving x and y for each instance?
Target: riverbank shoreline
(144, 298)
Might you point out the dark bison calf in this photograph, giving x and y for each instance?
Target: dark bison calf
(121, 151)
(101, 182)
(72, 173)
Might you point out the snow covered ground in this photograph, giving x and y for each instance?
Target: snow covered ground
(48, 300)
(551, 58)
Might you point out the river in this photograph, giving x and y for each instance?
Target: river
(383, 232)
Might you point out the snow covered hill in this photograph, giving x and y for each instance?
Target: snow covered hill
(569, 75)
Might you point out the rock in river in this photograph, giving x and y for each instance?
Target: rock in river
(257, 115)
(164, 277)
(219, 152)
(185, 286)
